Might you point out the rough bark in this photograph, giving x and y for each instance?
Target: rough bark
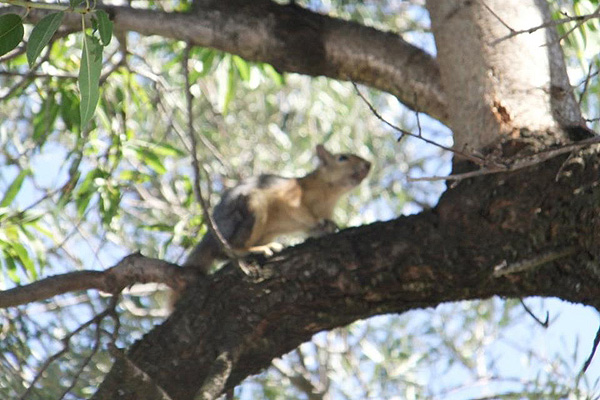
(293, 39)
(500, 87)
(543, 233)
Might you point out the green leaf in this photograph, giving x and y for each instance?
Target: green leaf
(11, 32)
(243, 68)
(87, 189)
(82, 202)
(43, 121)
(208, 59)
(110, 201)
(273, 74)
(161, 149)
(23, 257)
(89, 78)
(105, 27)
(41, 35)
(14, 188)
(68, 109)
(159, 227)
(151, 159)
(11, 268)
(134, 176)
(227, 86)
(29, 217)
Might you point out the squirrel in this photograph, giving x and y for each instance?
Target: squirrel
(257, 210)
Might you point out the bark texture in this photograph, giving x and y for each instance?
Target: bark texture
(543, 232)
(498, 85)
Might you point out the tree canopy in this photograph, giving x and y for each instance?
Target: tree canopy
(422, 294)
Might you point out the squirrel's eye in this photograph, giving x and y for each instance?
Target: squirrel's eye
(343, 158)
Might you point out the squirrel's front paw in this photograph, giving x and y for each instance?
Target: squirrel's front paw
(267, 249)
(323, 227)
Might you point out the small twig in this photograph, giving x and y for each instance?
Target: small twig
(545, 323)
(581, 19)
(515, 165)
(475, 159)
(87, 359)
(212, 226)
(419, 124)
(498, 17)
(587, 81)
(504, 268)
(217, 377)
(591, 356)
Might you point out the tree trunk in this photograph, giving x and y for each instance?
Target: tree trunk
(501, 86)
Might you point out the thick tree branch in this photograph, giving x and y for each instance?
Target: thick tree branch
(134, 268)
(446, 254)
(279, 34)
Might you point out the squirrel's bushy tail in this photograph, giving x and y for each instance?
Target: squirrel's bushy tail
(203, 255)
(200, 259)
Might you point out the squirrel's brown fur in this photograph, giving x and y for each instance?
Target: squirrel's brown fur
(256, 211)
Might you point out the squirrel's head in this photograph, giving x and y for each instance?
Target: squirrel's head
(343, 171)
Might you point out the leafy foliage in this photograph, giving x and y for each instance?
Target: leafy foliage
(12, 31)
(88, 175)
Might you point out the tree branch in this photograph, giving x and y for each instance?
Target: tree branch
(445, 254)
(134, 268)
(277, 34)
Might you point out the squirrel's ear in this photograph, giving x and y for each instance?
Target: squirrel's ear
(324, 156)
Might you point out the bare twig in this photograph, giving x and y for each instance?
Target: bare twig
(212, 226)
(511, 166)
(134, 268)
(86, 361)
(544, 323)
(586, 82)
(591, 356)
(37, 75)
(164, 98)
(580, 19)
(504, 269)
(475, 159)
(498, 17)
